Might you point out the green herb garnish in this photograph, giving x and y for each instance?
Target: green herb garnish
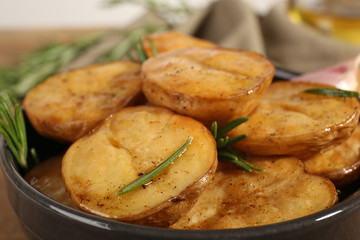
(332, 92)
(12, 128)
(149, 175)
(224, 144)
(127, 45)
(40, 64)
(141, 51)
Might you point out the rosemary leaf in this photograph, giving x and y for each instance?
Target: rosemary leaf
(224, 144)
(148, 176)
(141, 52)
(236, 139)
(332, 92)
(12, 127)
(213, 129)
(231, 125)
(240, 162)
(152, 46)
(38, 65)
(128, 44)
(9, 140)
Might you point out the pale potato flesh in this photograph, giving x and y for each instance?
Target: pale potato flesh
(207, 84)
(341, 164)
(128, 144)
(67, 106)
(239, 199)
(291, 122)
(172, 40)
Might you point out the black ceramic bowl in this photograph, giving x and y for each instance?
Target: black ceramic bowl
(44, 218)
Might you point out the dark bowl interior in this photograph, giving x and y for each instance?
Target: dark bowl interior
(44, 218)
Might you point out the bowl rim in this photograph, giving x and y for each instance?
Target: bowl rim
(341, 209)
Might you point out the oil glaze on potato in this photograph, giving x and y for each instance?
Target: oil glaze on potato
(291, 122)
(239, 199)
(46, 178)
(340, 164)
(172, 40)
(68, 105)
(128, 144)
(207, 83)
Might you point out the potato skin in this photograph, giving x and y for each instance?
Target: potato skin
(207, 84)
(172, 40)
(68, 105)
(341, 164)
(128, 144)
(291, 122)
(239, 199)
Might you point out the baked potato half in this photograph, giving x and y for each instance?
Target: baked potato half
(129, 144)
(68, 105)
(289, 121)
(239, 199)
(341, 164)
(172, 40)
(207, 84)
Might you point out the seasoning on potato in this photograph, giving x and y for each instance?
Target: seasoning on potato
(68, 105)
(129, 144)
(239, 199)
(289, 121)
(341, 164)
(207, 84)
(172, 40)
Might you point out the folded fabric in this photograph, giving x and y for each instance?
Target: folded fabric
(234, 24)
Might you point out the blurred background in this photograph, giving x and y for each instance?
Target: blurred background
(25, 25)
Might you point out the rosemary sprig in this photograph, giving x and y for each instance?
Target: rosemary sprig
(128, 44)
(12, 128)
(332, 92)
(38, 65)
(149, 175)
(224, 144)
(141, 51)
(152, 46)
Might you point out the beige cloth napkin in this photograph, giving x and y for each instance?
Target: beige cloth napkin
(234, 24)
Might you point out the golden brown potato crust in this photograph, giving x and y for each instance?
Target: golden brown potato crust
(238, 199)
(128, 144)
(68, 105)
(340, 164)
(207, 84)
(172, 40)
(291, 122)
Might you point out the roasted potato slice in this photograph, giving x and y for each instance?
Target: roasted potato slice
(128, 144)
(68, 105)
(207, 84)
(291, 122)
(172, 40)
(340, 164)
(238, 199)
